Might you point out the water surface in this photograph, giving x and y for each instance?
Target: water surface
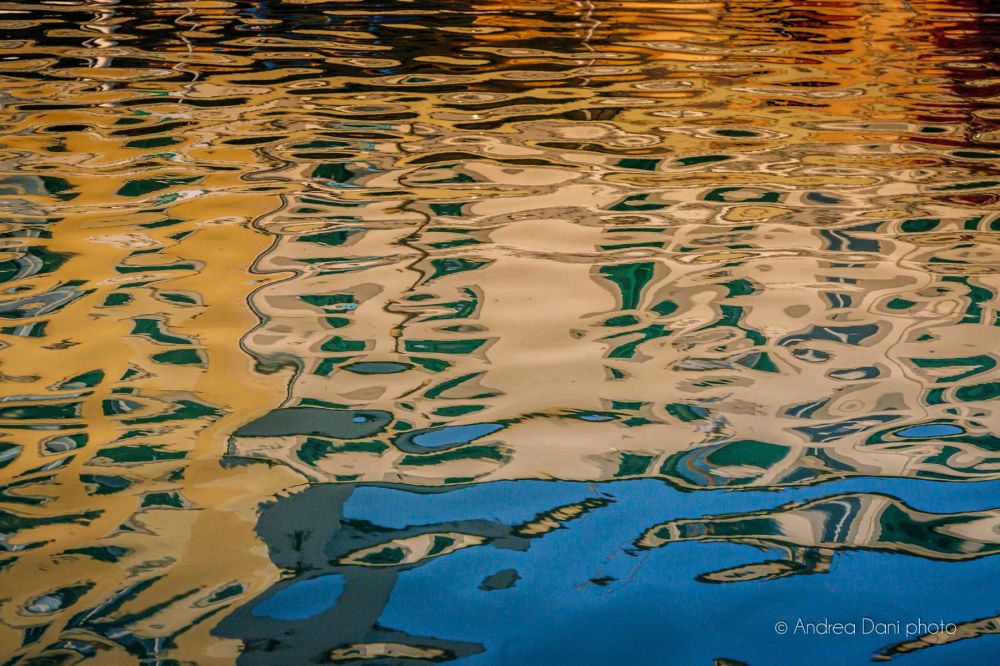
(503, 332)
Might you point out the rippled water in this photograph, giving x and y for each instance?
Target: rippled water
(517, 333)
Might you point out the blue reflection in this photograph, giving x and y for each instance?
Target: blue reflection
(302, 600)
(930, 430)
(450, 435)
(586, 594)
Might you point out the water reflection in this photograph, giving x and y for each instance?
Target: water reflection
(395, 572)
(541, 271)
(345, 571)
(809, 533)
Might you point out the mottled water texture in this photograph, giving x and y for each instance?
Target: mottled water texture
(569, 332)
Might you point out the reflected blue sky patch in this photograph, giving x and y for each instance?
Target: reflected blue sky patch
(303, 599)
(930, 430)
(654, 611)
(450, 435)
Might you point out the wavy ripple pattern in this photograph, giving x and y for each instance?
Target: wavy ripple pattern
(426, 247)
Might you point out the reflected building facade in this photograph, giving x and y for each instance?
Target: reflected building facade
(726, 245)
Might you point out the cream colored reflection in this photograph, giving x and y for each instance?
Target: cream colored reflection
(386, 651)
(809, 534)
(412, 549)
(842, 366)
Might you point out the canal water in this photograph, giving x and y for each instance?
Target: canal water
(501, 332)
